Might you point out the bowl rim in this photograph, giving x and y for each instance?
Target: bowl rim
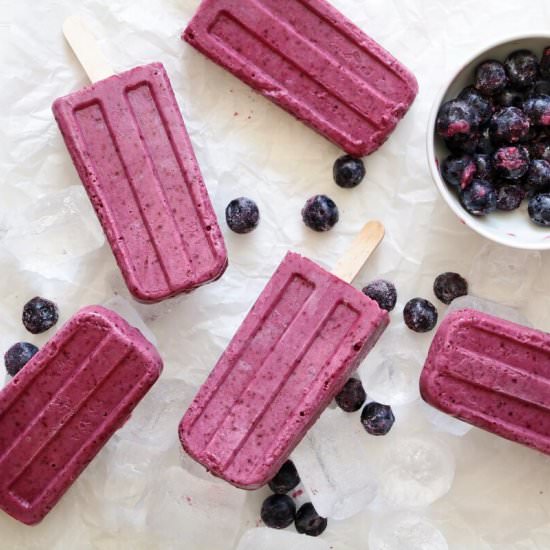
(442, 187)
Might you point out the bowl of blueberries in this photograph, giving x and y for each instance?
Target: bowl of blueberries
(489, 142)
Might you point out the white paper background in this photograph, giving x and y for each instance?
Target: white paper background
(51, 244)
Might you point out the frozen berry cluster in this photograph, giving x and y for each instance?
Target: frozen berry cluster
(279, 509)
(498, 134)
(39, 315)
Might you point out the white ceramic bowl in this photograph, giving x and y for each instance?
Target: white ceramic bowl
(513, 229)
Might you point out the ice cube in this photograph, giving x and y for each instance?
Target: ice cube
(390, 372)
(445, 423)
(112, 487)
(490, 307)
(405, 531)
(333, 463)
(114, 484)
(143, 492)
(124, 308)
(504, 275)
(154, 425)
(263, 538)
(53, 233)
(415, 471)
(393, 379)
(198, 513)
(155, 420)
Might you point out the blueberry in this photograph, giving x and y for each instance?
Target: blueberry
(538, 176)
(382, 292)
(39, 315)
(530, 192)
(522, 67)
(352, 396)
(320, 213)
(490, 77)
(348, 171)
(545, 64)
(480, 198)
(484, 166)
(377, 419)
(18, 356)
(456, 118)
(510, 197)
(420, 315)
(278, 511)
(509, 125)
(509, 98)
(539, 209)
(285, 479)
(242, 215)
(511, 163)
(309, 522)
(537, 108)
(449, 286)
(540, 150)
(458, 171)
(482, 106)
(464, 144)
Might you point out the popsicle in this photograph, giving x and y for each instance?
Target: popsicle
(492, 373)
(302, 339)
(63, 406)
(313, 62)
(128, 142)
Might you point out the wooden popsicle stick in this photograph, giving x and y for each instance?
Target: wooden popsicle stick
(84, 46)
(349, 265)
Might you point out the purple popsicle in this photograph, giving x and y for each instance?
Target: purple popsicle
(305, 335)
(63, 406)
(492, 373)
(313, 62)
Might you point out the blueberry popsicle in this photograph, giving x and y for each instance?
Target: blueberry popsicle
(304, 336)
(491, 373)
(313, 62)
(129, 144)
(63, 406)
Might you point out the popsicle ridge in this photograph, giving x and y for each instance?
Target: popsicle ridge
(299, 29)
(32, 447)
(228, 441)
(58, 412)
(155, 196)
(274, 323)
(174, 273)
(321, 71)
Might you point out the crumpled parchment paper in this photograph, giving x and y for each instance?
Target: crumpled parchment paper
(140, 492)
